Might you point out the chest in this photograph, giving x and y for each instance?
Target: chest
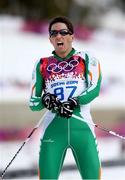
(52, 69)
(64, 78)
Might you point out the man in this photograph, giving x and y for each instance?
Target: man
(66, 83)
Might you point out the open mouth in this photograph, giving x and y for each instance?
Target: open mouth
(60, 44)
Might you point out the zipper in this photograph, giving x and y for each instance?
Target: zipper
(69, 132)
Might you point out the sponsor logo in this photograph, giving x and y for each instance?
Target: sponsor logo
(48, 140)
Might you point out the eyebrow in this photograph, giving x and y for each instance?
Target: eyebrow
(58, 30)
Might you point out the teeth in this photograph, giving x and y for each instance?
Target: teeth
(59, 43)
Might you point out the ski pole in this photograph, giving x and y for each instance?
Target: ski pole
(100, 127)
(27, 139)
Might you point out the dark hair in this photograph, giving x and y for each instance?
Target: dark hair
(62, 19)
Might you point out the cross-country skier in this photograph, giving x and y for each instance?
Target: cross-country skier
(66, 83)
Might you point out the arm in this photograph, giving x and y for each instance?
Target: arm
(93, 78)
(35, 102)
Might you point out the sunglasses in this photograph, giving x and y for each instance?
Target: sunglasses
(62, 32)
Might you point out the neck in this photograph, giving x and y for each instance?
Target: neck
(71, 52)
(63, 54)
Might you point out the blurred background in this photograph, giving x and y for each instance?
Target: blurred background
(100, 30)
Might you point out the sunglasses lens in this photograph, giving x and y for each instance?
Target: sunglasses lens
(63, 32)
(53, 33)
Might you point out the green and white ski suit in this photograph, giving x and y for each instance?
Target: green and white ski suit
(77, 75)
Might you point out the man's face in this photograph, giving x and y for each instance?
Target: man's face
(61, 38)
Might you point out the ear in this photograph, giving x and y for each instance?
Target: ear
(72, 37)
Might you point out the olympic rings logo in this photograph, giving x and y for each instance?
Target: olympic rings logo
(66, 66)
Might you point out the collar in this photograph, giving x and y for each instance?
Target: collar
(67, 57)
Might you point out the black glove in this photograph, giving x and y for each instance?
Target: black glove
(74, 101)
(51, 101)
(66, 108)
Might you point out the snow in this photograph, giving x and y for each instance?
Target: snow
(114, 20)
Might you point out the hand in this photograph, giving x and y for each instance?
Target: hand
(66, 108)
(74, 101)
(51, 101)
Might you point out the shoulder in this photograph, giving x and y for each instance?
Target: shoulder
(80, 53)
(37, 62)
(85, 55)
(45, 59)
(41, 61)
(90, 57)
